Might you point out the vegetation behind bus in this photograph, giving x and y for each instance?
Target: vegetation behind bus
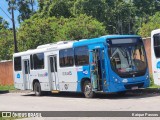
(152, 85)
(60, 20)
(6, 87)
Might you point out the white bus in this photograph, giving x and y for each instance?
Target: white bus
(155, 54)
(113, 63)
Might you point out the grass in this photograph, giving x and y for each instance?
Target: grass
(6, 87)
(152, 85)
(8, 118)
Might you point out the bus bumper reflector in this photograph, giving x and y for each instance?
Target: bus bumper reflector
(55, 91)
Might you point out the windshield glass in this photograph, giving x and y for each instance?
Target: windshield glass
(128, 60)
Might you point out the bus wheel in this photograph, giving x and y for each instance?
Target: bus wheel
(87, 90)
(37, 89)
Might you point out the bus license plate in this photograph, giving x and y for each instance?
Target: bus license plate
(134, 88)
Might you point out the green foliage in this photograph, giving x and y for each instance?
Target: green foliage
(59, 8)
(37, 31)
(3, 23)
(6, 87)
(6, 44)
(151, 80)
(23, 6)
(58, 20)
(79, 28)
(6, 41)
(94, 8)
(152, 85)
(154, 23)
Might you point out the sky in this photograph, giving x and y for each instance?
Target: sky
(4, 6)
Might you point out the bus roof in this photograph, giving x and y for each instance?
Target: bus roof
(70, 44)
(101, 39)
(155, 32)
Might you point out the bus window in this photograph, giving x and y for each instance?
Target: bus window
(17, 64)
(66, 57)
(38, 60)
(128, 59)
(81, 56)
(31, 61)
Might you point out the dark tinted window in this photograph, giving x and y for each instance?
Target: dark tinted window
(53, 63)
(81, 56)
(38, 61)
(66, 57)
(26, 65)
(17, 64)
(31, 61)
(156, 38)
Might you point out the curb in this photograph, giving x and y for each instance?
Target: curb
(20, 91)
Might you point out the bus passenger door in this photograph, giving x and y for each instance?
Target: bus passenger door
(53, 71)
(97, 68)
(26, 73)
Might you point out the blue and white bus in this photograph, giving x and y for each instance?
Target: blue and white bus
(112, 63)
(155, 54)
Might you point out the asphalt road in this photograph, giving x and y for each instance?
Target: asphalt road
(132, 101)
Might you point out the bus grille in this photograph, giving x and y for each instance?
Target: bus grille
(134, 85)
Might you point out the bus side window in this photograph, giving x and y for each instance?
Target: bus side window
(38, 61)
(17, 64)
(81, 55)
(66, 57)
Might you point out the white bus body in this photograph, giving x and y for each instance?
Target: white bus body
(24, 78)
(155, 54)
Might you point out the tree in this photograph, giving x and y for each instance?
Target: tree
(94, 8)
(3, 23)
(153, 23)
(23, 6)
(37, 31)
(24, 11)
(32, 3)
(145, 9)
(59, 8)
(6, 44)
(6, 40)
(81, 27)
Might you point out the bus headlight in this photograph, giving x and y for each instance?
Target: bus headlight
(124, 80)
(147, 77)
(116, 80)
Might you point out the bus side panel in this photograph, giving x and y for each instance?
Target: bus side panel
(67, 78)
(42, 76)
(82, 73)
(18, 80)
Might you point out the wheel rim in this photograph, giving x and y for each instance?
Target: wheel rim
(88, 90)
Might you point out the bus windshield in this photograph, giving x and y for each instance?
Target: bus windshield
(128, 60)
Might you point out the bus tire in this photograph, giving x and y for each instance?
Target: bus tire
(87, 90)
(37, 89)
